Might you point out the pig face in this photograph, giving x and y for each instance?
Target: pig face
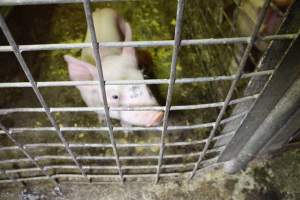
(117, 95)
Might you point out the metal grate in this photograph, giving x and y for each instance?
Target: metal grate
(163, 130)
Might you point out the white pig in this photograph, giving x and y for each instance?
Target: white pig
(117, 64)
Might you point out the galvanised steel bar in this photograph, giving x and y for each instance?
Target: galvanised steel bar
(29, 157)
(177, 38)
(158, 43)
(168, 175)
(91, 28)
(96, 145)
(134, 82)
(143, 157)
(38, 94)
(173, 128)
(157, 108)
(234, 82)
(88, 167)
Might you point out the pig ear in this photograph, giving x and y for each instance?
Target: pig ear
(79, 70)
(126, 31)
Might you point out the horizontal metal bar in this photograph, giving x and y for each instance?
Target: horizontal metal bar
(159, 128)
(70, 176)
(91, 145)
(35, 89)
(101, 167)
(144, 157)
(39, 2)
(271, 89)
(234, 83)
(161, 43)
(132, 82)
(29, 157)
(95, 109)
(76, 176)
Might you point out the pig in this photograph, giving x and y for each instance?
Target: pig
(248, 16)
(117, 64)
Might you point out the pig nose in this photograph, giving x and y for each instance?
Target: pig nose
(156, 119)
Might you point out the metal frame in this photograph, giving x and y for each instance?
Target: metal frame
(273, 90)
(234, 83)
(39, 96)
(163, 130)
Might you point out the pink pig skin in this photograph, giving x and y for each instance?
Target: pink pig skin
(117, 64)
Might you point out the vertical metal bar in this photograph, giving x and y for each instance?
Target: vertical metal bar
(38, 94)
(177, 38)
(22, 149)
(95, 44)
(233, 84)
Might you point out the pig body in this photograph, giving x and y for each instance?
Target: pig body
(117, 64)
(248, 16)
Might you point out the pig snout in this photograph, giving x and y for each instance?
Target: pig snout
(142, 118)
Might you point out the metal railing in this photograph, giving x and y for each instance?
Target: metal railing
(193, 167)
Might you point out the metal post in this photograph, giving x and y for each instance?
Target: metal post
(233, 84)
(287, 105)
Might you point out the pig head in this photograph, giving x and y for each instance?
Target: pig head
(117, 64)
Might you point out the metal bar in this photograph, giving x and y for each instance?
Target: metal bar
(234, 82)
(279, 116)
(39, 96)
(177, 38)
(144, 157)
(90, 23)
(96, 145)
(156, 108)
(158, 43)
(41, 2)
(128, 167)
(29, 157)
(159, 128)
(271, 60)
(133, 82)
(70, 176)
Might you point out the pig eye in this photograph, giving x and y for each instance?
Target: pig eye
(115, 96)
